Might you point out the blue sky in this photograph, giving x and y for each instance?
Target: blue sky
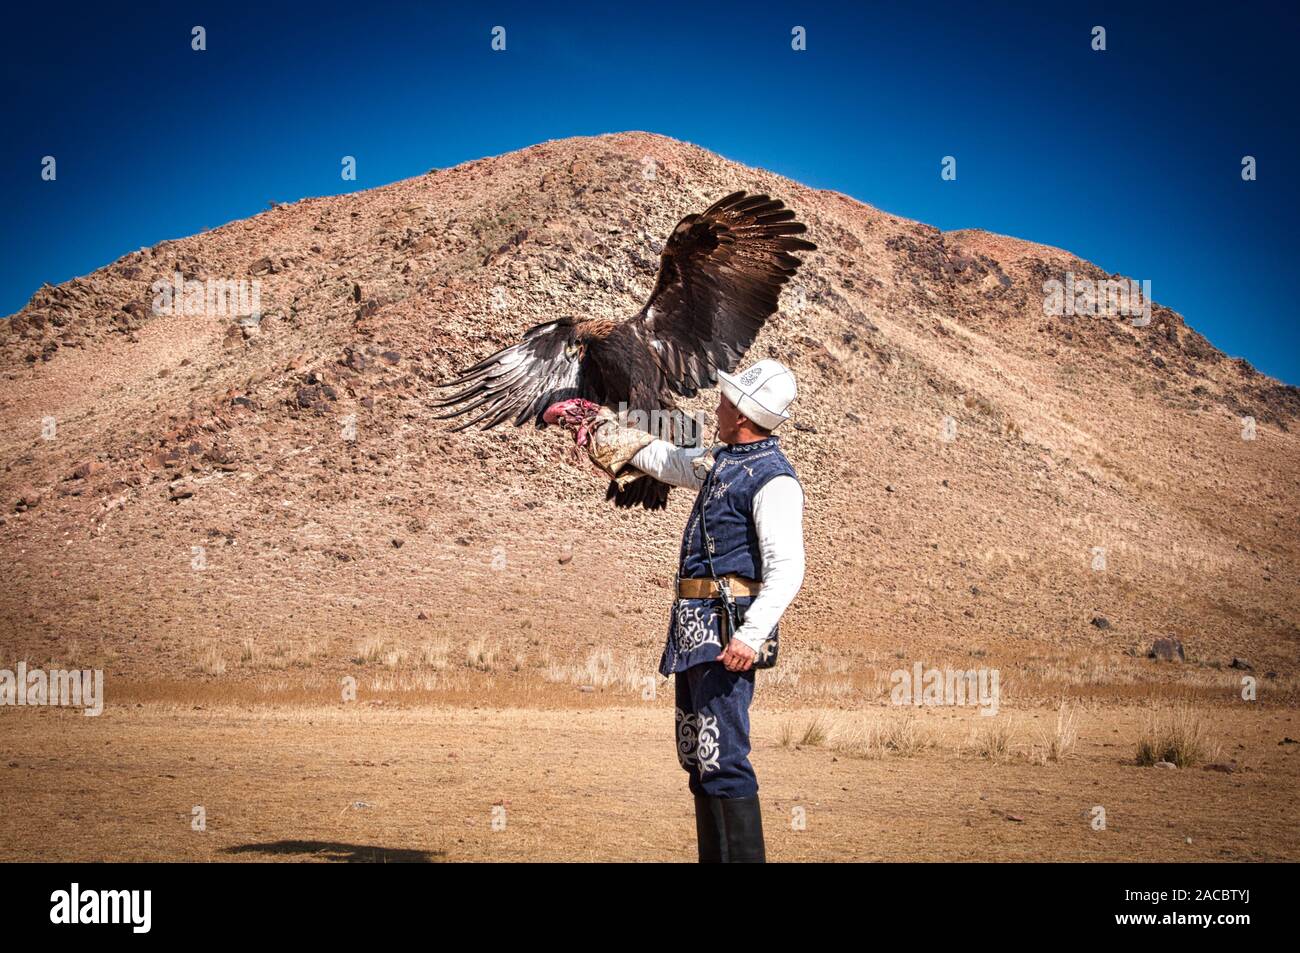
(1130, 158)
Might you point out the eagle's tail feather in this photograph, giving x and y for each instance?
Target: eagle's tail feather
(644, 491)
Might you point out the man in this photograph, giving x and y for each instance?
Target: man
(751, 503)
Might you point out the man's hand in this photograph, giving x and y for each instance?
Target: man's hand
(737, 656)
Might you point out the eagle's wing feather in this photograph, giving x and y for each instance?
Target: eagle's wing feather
(720, 277)
(522, 379)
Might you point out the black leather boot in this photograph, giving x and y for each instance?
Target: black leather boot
(743, 824)
(709, 829)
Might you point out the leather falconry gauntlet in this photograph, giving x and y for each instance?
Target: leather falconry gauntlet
(612, 446)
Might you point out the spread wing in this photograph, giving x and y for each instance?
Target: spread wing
(522, 379)
(720, 277)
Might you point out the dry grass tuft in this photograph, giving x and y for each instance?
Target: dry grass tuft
(480, 656)
(877, 735)
(995, 738)
(601, 670)
(369, 651)
(1061, 742)
(212, 662)
(434, 654)
(1179, 735)
(815, 732)
(811, 733)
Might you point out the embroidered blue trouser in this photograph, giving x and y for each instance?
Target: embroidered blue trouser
(713, 729)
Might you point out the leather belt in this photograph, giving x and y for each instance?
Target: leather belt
(705, 588)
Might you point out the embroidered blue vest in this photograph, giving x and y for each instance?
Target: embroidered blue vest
(695, 628)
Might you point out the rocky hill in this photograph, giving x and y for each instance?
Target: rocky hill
(983, 478)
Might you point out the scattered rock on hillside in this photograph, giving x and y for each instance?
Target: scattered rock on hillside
(1167, 650)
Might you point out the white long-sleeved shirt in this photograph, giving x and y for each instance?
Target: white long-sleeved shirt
(778, 520)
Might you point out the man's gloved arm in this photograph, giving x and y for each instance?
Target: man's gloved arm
(625, 453)
(612, 446)
(669, 463)
(778, 520)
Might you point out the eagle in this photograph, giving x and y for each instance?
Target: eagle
(720, 276)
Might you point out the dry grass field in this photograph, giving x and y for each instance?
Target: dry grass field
(592, 775)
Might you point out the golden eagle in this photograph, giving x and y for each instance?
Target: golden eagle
(720, 276)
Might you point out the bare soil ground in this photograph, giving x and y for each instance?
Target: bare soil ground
(374, 783)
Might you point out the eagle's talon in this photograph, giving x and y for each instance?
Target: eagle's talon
(574, 414)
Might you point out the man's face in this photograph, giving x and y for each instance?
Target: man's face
(728, 420)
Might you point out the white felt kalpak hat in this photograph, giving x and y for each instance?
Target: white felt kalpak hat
(763, 393)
